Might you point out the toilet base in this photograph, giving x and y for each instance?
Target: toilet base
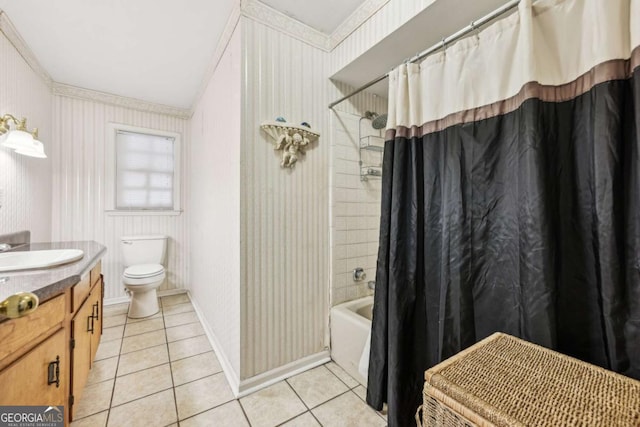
(143, 304)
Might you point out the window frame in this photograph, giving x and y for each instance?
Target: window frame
(111, 170)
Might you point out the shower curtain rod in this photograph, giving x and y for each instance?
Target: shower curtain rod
(441, 45)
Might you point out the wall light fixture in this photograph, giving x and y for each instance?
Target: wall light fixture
(20, 139)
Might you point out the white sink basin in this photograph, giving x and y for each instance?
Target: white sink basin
(11, 261)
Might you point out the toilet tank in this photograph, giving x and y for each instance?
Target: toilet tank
(147, 249)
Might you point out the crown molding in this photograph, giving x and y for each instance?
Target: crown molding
(117, 100)
(270, 17)
(358, 17)
(277, 20)
(10, 32)
(221, 47)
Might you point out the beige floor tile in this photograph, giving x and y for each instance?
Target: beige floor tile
(342, 374)
(108, 349)
(142, 319)
(103, 370)
(156, 410)
(181, 319)
(114, 320)
(142, 327)
(189, 347)
(201, 395)
(110, 334)
(272, 406)
(195, 367)
(316, 386)
(227, 415)
(177, 308)
(142, 383)
(174, 299)
(97, 420)
(184, 331)
(142, 359)
(142, 341)
(304, 420)
(361, 392)
(115, 309)
(95, 398)
(347, 410)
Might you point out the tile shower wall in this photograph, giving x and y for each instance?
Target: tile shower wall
(25, 182)
(355, 207)
(78, 153)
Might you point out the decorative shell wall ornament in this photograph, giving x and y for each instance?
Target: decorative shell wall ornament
(291, 139)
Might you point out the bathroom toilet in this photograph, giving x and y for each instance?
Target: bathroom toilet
(144, 273)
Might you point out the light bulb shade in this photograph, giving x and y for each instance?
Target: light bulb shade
(33, 149)
(18, 139)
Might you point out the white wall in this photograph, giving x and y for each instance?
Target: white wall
(214, 214)
(25, 182)
(79, 153)
(284, 212)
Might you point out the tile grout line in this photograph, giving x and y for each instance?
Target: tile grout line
(113, 389)
(303, 402)
(173, 383)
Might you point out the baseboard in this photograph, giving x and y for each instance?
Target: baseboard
(168, 292)
(232, 376)
(253, 384)
(116, 300)
(258, 382)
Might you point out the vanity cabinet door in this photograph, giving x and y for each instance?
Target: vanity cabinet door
(39, 377)
(95, 299)
(81, 327)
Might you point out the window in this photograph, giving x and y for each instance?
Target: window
(144, 170)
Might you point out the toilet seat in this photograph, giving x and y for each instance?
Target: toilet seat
(142, 271)
(143, 274)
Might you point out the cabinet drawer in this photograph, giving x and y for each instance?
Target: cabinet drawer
(18, 334)
(95, 273)
(31, 380)
(80, 292)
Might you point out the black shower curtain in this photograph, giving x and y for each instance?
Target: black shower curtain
(527, 222)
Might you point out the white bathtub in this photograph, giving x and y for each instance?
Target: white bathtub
(350, 326)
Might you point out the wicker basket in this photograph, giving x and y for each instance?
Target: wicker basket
(505, 381)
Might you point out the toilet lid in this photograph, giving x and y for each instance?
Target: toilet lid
(143, 270)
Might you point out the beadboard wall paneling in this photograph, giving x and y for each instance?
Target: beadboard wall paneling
(386, 20)
(355, 208)
(284, 212)
(79, 153)
(214, 174)
(25, 182)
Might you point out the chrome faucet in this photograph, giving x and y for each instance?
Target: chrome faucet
(4, 247)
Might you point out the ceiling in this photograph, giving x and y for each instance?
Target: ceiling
(324, 16)
(153, 50)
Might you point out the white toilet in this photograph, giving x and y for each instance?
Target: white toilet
(144, 273)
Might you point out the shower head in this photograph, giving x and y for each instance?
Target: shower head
(378, 121)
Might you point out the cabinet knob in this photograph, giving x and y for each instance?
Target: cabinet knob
(53, 376)
(18, 305)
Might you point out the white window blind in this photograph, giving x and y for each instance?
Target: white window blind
(144, 171)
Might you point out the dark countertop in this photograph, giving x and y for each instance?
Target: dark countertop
(49, 282)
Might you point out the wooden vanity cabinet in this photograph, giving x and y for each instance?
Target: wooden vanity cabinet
(86, 330)
(46, 356)
(39, 377)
